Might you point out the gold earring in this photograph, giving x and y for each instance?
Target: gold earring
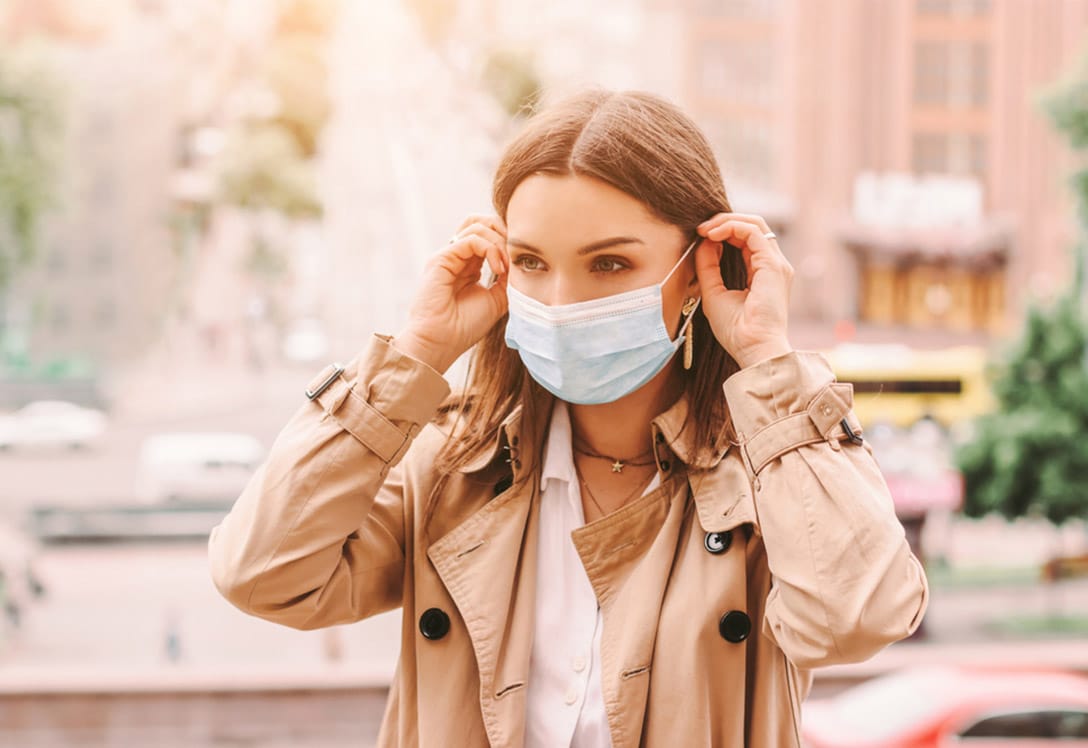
(689, 339)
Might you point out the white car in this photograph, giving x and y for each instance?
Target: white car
(52, 423)
(198, 466)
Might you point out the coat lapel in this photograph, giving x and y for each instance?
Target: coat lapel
(628, 558)
(488, 564)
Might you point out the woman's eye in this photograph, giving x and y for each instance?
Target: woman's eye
(608, 265)
(527, 262)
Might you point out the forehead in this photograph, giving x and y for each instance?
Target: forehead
(577, 208)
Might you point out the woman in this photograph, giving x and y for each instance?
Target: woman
(600, 541)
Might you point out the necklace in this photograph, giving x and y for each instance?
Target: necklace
(589, 491)
(617, 464)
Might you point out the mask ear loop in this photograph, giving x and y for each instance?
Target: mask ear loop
(680, 261)
(698, 301)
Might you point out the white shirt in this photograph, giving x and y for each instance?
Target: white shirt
(565, 706)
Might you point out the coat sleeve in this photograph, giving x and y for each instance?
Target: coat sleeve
(844, 580)
(317, 536)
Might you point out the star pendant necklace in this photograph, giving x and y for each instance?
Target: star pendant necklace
(618, 464)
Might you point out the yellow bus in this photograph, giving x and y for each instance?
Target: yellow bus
(900, 385)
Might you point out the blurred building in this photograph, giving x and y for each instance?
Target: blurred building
(812, 101)
(106, 266)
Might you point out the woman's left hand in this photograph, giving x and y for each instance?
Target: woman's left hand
(750, 324)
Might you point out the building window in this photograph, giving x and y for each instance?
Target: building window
(59, 318)
(101, 258)
(953, 75)
(105, 313)
(953, 7)
(740, 8)
(56, 261)
(959, 154)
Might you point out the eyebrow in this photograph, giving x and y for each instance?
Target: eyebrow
(588, 249)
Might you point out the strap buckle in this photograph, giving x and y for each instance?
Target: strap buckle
(338, 369)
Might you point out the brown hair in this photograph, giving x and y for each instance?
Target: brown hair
(646, 147)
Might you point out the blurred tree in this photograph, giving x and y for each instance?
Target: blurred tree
(263, 168)
(29, 135)
(1031, 456)
(511, 78)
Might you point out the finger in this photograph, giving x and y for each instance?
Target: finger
(464, 257)
(752, 218)
(759, 252)
(716, 220)
(764, 252)
(485, 230)
(491, 221)
(708, 270)
(721, 218)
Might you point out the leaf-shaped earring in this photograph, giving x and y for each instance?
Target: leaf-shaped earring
(689, 339)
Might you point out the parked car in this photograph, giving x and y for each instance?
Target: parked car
(940, 707)
(52, 423)
(198, 466)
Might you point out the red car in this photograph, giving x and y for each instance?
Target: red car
(940, 707)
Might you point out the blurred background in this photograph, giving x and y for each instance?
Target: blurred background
(202, 202)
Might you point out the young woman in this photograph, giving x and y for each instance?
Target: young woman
(644, 519)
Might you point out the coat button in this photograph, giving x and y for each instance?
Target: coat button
(718, 542)
(735, 626)
(434, 623)
(665, 465)
(660, 438)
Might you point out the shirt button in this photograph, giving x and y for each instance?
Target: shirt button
(572, 695)
(579, 664)
(826, 409)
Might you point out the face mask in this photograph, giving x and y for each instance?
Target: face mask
(594, 351)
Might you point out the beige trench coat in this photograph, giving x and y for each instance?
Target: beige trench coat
(720, 590)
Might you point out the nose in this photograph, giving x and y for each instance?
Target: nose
(561, 292)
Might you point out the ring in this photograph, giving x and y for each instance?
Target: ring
(769, 235)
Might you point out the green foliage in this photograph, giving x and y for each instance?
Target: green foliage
(511, 78)
(294, 68)
(1031, 456)
(264, 169)
(29, 136)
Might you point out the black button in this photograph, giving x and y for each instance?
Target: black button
(735, 626)
(660, 438)
(665, 465)
(434, 623)
(514, 441)
(517, 463)
(503, 484)
(718, 542)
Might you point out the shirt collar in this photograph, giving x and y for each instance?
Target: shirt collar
(558, 461)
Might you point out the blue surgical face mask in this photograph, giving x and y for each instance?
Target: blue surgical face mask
(594, 351)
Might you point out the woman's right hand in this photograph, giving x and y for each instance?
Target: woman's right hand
(451, 310)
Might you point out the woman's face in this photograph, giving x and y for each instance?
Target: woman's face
(574, 238)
